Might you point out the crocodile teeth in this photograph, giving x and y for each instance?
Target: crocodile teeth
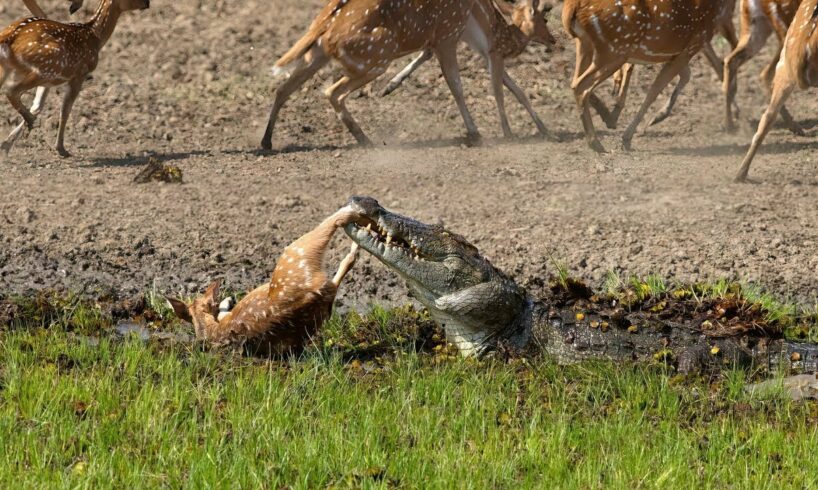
(369, 227)
(388, 239)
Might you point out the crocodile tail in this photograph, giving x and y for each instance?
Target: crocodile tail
(799, 44)
(318, 27)
(569, 15)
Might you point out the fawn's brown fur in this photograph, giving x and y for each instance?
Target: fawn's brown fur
(280, 316)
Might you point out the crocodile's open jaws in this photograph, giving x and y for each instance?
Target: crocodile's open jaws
(480, 307)
(477, 304)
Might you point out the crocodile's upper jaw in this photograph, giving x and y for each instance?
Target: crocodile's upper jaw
(475, 303)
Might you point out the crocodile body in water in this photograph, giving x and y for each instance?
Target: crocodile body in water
(482, 309)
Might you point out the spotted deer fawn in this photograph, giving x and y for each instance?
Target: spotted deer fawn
(364, 36)
(278, 317)
(796, 68)
(42, 92)
(611, 33)
(496, 40)
(43, 53)
(759, 18)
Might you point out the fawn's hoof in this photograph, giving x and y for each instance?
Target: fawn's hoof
(63, 152)
(266, 144)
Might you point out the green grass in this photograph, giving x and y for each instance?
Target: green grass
(81, 413)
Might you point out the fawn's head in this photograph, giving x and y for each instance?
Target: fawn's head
(531, 17)
(206, 305)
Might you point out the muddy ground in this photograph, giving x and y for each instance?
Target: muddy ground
(189, 81)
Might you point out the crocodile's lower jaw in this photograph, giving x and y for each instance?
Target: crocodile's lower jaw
(469, 342)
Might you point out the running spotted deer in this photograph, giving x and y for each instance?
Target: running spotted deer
(611, 33)
(364, 36)
(759, 18)
(278, 317)
(43, 53)
(622, 79)
(42, 92)
(796, 68)
(496, 40)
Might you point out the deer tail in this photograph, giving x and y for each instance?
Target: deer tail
(318, 27)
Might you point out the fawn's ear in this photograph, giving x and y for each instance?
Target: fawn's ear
(180, 308)
(211, 294)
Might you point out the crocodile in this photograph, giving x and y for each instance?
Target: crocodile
(482, 310)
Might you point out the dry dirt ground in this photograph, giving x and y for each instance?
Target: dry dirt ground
(189, 82)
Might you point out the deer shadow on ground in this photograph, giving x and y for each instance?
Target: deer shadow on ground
(738, 150)
(563, 137)
(141, 160)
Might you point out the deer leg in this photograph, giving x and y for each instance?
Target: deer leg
(752, 40)
(668, 72)
(622, 93)
(398, 79)
(523, 100)
(583, 86)
(496, 69)
(767, 77)
(338, 93)
(314, 61)
(447, 57)
(714, 60)
(14, 95)
(36, 108)
(783, 87)
(73, 90)
(684, 77)
(583, 61)
(346, 265)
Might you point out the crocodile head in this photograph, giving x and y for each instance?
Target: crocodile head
(475, 303)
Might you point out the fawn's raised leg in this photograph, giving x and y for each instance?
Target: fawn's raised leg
(346, 265)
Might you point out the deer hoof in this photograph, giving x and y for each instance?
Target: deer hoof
(474, 139)
(596, 146)
(63, 152)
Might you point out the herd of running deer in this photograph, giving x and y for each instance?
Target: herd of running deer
(365, 36)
